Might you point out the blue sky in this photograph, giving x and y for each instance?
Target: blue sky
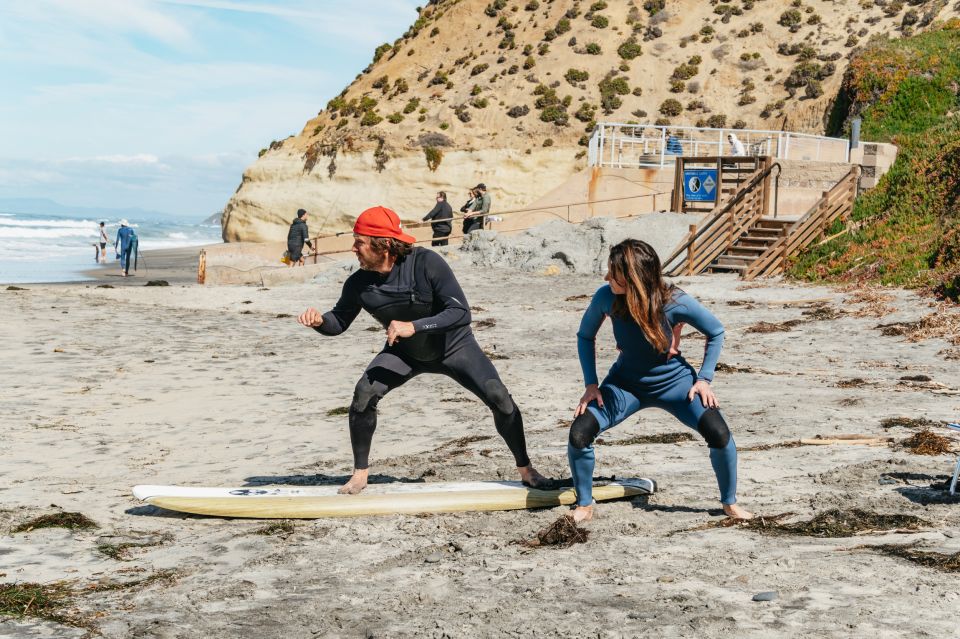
(161, 104)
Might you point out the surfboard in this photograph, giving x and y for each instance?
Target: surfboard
(312, 502)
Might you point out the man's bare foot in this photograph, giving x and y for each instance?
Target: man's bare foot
(582, 514)
(357, 483)
(735, 511)
(533, 479)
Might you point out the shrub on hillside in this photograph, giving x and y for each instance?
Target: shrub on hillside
(518, 111)
(671, 107)
(575, 76)
(629, 49)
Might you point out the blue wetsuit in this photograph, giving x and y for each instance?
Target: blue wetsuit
(642, 377)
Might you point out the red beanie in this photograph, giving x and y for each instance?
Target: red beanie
(380, 221)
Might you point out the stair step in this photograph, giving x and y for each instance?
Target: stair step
(733, 260)
(727, 268)
(746, 251)
(764, 232)
(755, 240)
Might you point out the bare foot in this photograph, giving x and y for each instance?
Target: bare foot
(582, 514)
(735, 511)
(357, 483)
(533, 479)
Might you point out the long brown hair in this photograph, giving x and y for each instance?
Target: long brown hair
(635, 263)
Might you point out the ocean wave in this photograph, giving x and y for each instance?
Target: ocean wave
(45, 233)
(71, 224)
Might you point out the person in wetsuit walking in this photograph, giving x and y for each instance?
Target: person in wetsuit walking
(646, 314)
(413, 293)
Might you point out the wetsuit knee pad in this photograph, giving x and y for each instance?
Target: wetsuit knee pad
(497, 395)
(584, 430)
(365, 396)
(714, 428)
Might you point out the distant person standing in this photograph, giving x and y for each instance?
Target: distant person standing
(467, 210)
(102, 255)
(736, 146)
(123, 245)
(442, 212)
(297, 236)
(481, 207)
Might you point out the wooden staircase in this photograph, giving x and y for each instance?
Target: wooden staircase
(758, 239)
(738, 238)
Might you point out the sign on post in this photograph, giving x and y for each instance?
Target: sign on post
(700, 185)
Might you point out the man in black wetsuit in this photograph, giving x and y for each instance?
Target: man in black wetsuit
(413, 293)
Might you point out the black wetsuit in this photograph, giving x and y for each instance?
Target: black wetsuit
(420, 289)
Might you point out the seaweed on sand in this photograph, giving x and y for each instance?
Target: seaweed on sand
(830, 523)
(562, 533)
(773, 327)
(823, 312)
(277, 528)
(71, 521)
(339, 410)
(909, 422)
(121, 551)
(657, 438)
(927, 443)
(485, 323)
(40, 601)
(462, 442)
(938, 560)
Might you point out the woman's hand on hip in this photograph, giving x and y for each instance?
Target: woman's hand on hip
(702, 388)
(590, 393)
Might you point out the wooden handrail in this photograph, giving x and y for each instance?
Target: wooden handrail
(834, 203)
(723, 228)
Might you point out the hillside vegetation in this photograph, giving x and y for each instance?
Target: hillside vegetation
(907, 229)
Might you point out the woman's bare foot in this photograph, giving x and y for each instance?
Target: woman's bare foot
(735, 511)
(582, 514)
(533, 479)
(357, 483)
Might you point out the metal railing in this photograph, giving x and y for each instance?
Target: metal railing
(652, 146)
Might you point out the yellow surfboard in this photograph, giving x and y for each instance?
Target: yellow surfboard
(311, 502)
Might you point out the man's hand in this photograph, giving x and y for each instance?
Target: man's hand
(702, 388)
(590, 393)
(311, 318)
(396, 330)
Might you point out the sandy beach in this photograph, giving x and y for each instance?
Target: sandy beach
(106, 388)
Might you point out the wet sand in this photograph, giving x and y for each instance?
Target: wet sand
(108, 388)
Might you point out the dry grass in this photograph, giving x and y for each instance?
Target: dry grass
(944, 323)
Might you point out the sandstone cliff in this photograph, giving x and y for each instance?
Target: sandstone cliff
(505, 92)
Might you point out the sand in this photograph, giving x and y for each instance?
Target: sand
(108, 388)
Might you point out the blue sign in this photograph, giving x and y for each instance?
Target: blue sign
(700, 185)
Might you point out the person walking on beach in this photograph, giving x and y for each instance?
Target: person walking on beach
(125, 244)
(413, 293)
(645, 312)
(102, 256)
(481, 207)
(442, 212)
(297, 236)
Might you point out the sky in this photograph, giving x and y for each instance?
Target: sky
(161, 104)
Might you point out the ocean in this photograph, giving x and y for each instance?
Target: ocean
(51, 248)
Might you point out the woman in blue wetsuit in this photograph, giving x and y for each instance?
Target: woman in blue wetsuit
(646, 314)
